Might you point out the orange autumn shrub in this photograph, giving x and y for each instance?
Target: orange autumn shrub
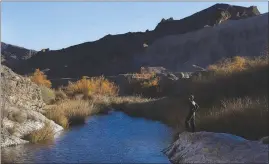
(40, 78)
(94, 85)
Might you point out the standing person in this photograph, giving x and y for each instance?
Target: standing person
(193, 107)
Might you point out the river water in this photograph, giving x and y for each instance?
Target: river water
(112, 138)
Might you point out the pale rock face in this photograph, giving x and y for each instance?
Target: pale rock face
(245, 37)
(21, 108)
(208, 147)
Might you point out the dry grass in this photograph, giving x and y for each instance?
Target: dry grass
(58, 117)
(231, 79)
(69, 112)
(166, 110)
(245, 117)
(228, 81)
(40, 78)
(102, 104)
(92, 86)
(44, 134)
(60, 95)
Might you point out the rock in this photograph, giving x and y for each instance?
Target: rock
(265, 140)
(20, 91)
(208, 147)
(21, 107)
(156, 70)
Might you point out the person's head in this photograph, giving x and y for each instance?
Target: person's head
(191, 97)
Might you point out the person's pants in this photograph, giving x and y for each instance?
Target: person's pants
(190, 121)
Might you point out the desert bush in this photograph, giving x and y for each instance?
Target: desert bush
(146, 84)
(48, 95)
(40, 78)
(92, 86)
(46, 133)
(153, 82)
(237, 64)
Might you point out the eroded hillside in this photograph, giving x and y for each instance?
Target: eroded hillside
(246, 37)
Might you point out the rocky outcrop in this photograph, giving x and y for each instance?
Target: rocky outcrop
(20, 91)
(211, 16)
(207, 147)
(21, 108)
(124, 53)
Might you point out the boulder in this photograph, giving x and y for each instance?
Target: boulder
(209, 147)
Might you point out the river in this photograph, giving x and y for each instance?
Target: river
(112, 138)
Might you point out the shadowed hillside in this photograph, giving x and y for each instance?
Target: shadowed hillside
(12, 55)
(115, 54)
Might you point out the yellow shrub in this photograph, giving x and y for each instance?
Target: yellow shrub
(95, 85)
(40, 78)
(237, 64)
(151, 82)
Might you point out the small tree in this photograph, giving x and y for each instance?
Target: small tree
(40, 78)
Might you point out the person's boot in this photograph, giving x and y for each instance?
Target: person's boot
(192, 126)
(187, 125)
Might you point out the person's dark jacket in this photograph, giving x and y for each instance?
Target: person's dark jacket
(193, 106)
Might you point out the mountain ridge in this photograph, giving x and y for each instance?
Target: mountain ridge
(117, 54)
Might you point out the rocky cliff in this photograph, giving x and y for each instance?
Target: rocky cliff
(207, 147)
(21, 108)
(245, 37)
(117, 54)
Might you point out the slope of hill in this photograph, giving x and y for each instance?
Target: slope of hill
(12, 55)
(248, 37)
(115, 54)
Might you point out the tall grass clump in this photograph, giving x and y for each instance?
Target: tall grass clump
(40, 78)
(69, 112)
(48, 95)
(46, 133)
(92, 86)
(246, 117)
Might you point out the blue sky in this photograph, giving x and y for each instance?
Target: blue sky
(57, 25)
